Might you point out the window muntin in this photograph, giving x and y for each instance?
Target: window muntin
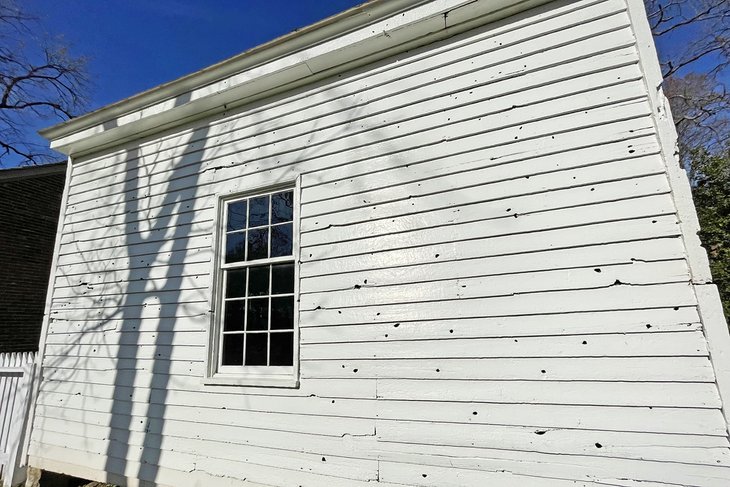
(256, 326)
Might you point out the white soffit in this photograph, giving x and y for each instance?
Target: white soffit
(356, 37)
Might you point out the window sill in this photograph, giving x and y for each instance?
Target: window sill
(289, 382)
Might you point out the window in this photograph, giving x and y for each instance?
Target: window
(255, 322)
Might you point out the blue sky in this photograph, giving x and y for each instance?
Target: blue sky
(134, 45)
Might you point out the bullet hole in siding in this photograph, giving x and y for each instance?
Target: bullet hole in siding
(474, 413)
(357, 286)
(593, 189)
(451, 331)
(527, 177)
(333, 401)
(597, 270)
(424, 475)
(318, 307)
(438, 370)
(676, 308)
(585, 342)
(377, 314)
(617, 283)
(540, 432)
(509, 209)
(437, 256)
(515, 215)
(648, 326)
(354, 371)
(324, 459)
(515, 340)
(396, 325)
(365, 281)
(339, 312)
(310, 255)
(515, 137)
(343, 366)
(598, 445)
(386, 335)
(543, 371)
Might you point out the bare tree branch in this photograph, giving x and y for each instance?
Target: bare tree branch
(40, 82)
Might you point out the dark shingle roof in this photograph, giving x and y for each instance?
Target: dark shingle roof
(30, 199)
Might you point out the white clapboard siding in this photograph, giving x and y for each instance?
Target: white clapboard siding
(156, 324)
(665, 447)
(627, 369)
(178, 419)
(633, 345)
(601, 257)
(568, 237)
(443, 470)
(494, 287)
(634, 274)
(491, 43)
(706, 422)
(701, 395)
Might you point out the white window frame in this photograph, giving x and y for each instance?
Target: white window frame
(268, 376)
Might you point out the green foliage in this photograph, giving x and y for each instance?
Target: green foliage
(710, 177)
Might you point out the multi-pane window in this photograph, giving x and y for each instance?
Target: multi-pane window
(257, 319)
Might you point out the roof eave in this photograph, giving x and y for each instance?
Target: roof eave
(355, 37)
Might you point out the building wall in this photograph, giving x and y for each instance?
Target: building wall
(494, 283)
(30, 199)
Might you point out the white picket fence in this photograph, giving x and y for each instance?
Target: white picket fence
(16, 380)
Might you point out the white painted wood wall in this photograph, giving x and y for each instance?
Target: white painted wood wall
(494, 285)
(16, 380)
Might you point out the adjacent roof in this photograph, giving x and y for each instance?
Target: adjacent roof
(30, 199)
(371, 31)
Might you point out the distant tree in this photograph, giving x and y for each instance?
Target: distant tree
(696, 34)
(695, 62)
(39, 80)
(711, 191)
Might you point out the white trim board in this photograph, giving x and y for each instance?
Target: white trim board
(355, 38)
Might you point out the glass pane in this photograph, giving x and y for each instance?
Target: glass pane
(258, 314)
(237, 215)
(258, 243)
(258, 281)
(256, 348)
(236, 283)
(281, 240)
(233, 319)
(232, 350)
(282, 349)
(282, 313)
(282, 276)
(282, 207)
(235, 247)
(259, 212)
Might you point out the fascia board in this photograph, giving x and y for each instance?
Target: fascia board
(287, 67)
